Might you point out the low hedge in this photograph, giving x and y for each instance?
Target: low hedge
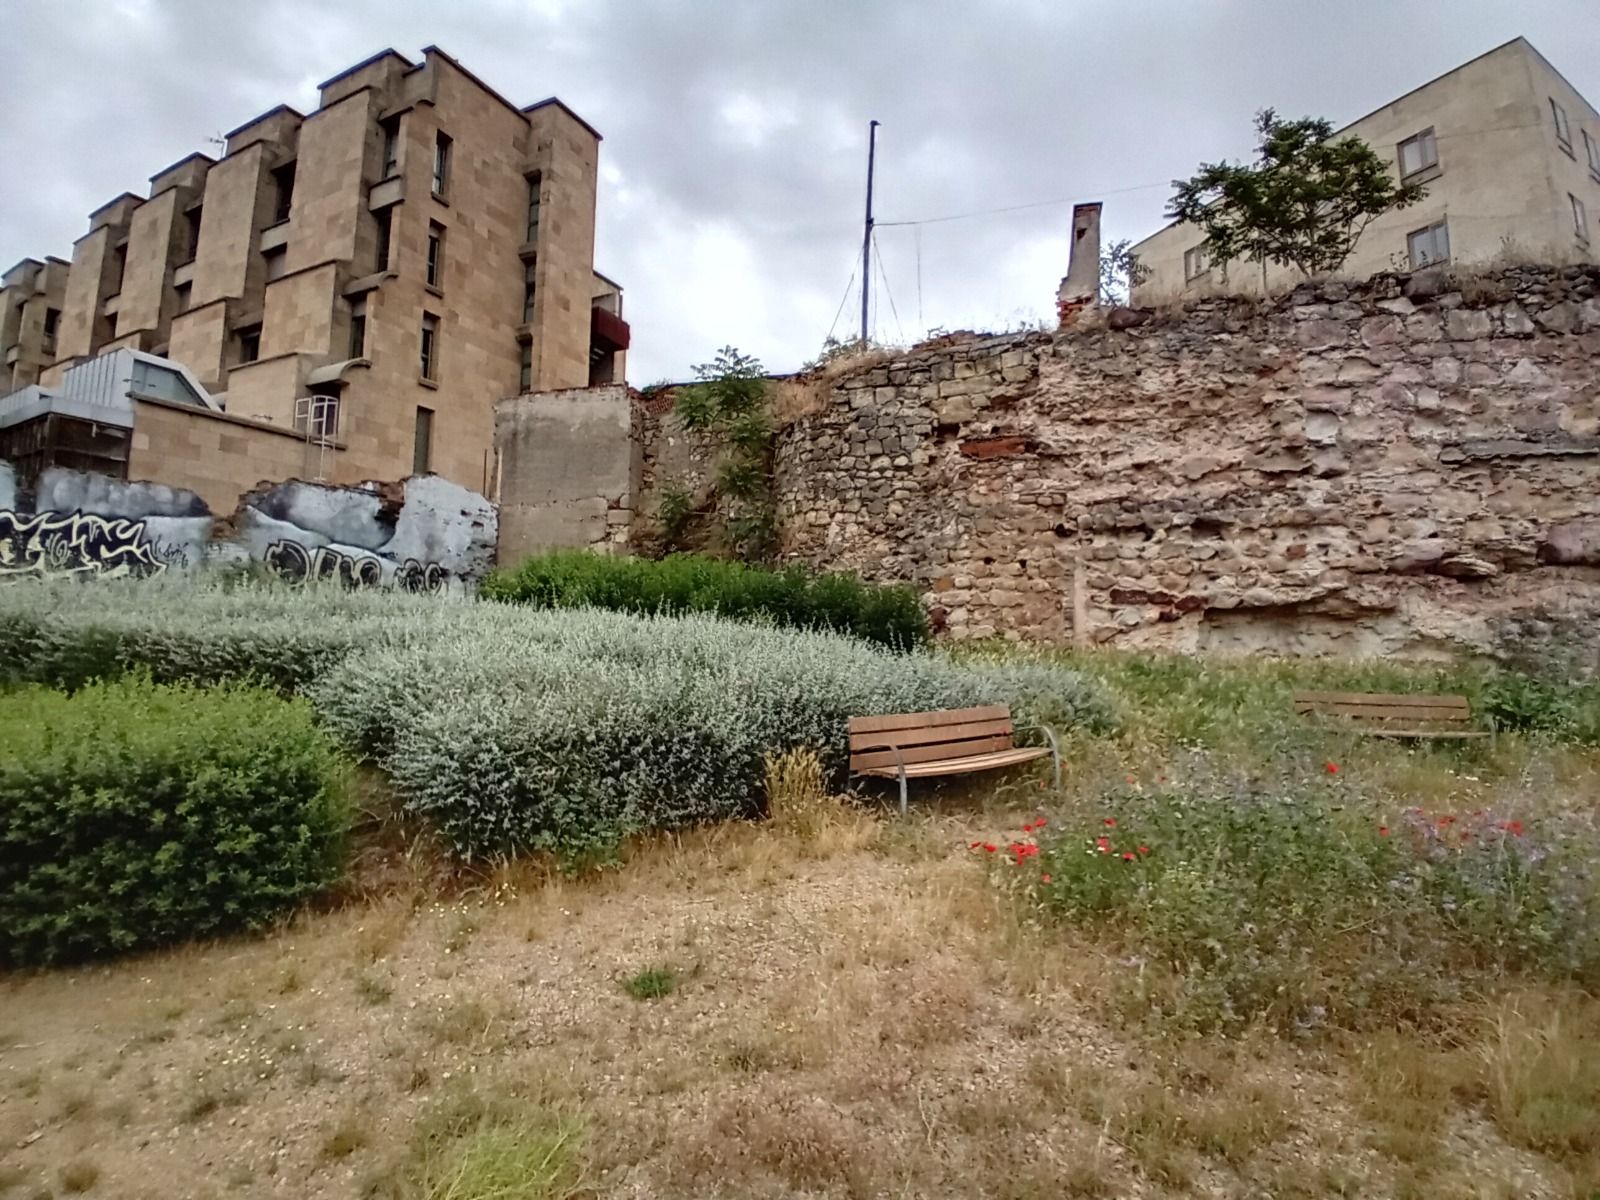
(566, 730)
(517, 728)
(690, 583)
(135, 814)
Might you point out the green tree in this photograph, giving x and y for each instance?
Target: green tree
(1303, 203)
(1120, 272)
(730, 400)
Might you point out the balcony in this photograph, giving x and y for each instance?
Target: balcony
(608, 332)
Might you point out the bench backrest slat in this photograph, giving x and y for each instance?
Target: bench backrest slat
(1386, 708)
(929, 736)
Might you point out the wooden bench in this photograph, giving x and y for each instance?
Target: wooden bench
(1397, 716)
(954, 741)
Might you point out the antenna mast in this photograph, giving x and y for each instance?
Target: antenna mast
(866, 237)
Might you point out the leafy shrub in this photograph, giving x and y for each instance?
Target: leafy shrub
(134, 814)
(515, 728)
(1523, 703)
(64, 633)
(684, 583)
(1309, 906)
(565, 730)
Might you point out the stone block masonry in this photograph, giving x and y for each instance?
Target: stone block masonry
(1406, 465)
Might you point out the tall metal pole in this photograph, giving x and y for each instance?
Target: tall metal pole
(866, 238)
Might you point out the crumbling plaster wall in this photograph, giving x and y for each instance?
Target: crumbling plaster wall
(1409, 465)
(421, 534)
(568, 470)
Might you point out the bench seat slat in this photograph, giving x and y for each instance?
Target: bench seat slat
(1388, 699)
(1385, 712)
(1377, 731)
(958, 766)
(950, 716)
(934, 752)
(930, 733)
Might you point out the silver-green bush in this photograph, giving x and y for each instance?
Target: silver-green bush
(514, 728)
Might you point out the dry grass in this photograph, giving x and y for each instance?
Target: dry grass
(859, 1012)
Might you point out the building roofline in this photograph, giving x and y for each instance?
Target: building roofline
(180, 162)
(1535, 51)
(256, 120)
(566, 108)
(51, 258)
(390, 52)
(1442, 75)
(21, 262)
(1345, 128)
(427, 50)
(114, 201)
(604, 278)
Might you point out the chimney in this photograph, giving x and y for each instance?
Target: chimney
(1081, 288)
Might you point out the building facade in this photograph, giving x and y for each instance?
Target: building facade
(352, 289)
(1509, 154)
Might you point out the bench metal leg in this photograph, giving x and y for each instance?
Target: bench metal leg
(900, 765)
(1055, 752)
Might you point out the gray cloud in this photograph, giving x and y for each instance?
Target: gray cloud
(734, 156)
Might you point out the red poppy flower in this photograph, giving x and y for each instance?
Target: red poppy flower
(989, 847)
(1039, 823)
(1332, 768)
(1383, 831)
(1144, 849)
(1111, 822)
(1514, 828)
(1044, 879)
(974, 845)
(1127, 855)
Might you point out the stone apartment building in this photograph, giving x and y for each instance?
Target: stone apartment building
(1509, 153)
(342, 294)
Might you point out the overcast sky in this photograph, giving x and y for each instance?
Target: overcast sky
(734, 157)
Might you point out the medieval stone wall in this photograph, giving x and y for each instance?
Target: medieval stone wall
(1408, 465)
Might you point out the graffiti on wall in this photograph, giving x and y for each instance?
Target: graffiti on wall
(303, 564)
(76, 543)
(423, 534)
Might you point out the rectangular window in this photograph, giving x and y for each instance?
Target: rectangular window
(250, 344)
(525, 358)
(119, 268)
(1428, 246)
(192, 233)
(527, 293)
(391, 147)
(318, 415)
(283, 192)
(435, 254)
(1196, 262)
(430, 346)
(1418, 153)
(441, 164)
(52, 322)
(385, 219)
(277, 260)
(358, 329)
(1591, 150)
(183, 293)
(1580, 219)
(533, 208)
(1563, 130)
(422, 446)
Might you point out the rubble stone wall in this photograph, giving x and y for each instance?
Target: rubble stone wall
(1407, 465)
